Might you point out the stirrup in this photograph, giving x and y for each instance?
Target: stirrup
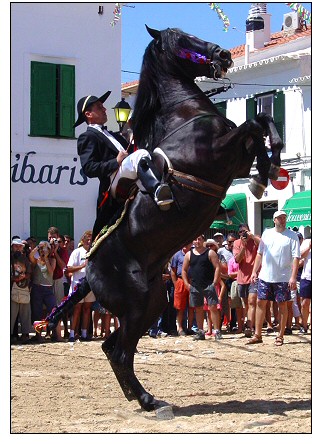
(163, 196)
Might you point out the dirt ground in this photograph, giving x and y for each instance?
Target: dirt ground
(213, 386)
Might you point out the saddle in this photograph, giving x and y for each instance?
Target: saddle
(128, 187)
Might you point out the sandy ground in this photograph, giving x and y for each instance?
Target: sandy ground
(214, 387)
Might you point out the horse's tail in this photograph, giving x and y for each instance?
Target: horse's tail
(53, 318)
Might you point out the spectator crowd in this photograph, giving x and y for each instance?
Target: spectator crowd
(243, 283)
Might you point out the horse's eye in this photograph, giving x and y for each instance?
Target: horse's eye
(224, 55)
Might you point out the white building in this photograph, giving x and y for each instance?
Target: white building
(271, 73)
(60, 52)
(53, 64)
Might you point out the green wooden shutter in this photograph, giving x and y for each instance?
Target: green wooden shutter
(221, 106)
(66, 100)
(279, 113)
(251, 108)
(43, 99)
(41, 218)
(63, 219)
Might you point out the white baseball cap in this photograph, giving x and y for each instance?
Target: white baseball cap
(213, 242)
(279, 213)
(218, 234)
(17, 242)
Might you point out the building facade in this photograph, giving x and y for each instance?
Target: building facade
(59, 53)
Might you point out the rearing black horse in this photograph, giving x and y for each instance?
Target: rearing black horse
(206, 151)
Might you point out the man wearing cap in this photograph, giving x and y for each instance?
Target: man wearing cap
(278, 255)
(219, 238)
(105, 155)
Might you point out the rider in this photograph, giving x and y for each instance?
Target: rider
(105, 155)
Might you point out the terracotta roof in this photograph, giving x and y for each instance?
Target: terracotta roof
(129, 88)
(278, 38)
(129, 84)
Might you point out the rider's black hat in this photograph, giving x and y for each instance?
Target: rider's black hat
(83, 104)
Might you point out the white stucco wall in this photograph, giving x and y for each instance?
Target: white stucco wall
(65, 33)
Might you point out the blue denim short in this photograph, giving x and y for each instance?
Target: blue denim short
(305, 289)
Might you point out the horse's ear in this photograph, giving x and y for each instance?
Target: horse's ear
(153, 33)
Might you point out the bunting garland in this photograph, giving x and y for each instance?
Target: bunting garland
(304, 13)
(226, 22)
(117, 14)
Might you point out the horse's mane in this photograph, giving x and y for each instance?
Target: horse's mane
(147, 123)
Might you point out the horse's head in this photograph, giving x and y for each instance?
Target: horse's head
(193, 55)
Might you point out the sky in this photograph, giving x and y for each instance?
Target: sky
(193, 18)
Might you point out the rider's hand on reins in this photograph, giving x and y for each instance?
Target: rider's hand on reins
(121, 156)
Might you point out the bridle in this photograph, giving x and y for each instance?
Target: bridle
(201, 59)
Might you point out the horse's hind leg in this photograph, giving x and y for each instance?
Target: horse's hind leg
(108, 347)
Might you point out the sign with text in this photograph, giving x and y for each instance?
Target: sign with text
(282, 181)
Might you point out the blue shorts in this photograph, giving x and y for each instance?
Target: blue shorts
(273, 291)
(305, 289)
(245, 289)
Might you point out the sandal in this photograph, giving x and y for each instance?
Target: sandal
(279, 341)
(255, 339)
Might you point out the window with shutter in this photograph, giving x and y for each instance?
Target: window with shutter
(52, 108)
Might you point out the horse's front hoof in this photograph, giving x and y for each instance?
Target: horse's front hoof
(274, 171)
(256, 188)
(164, 413)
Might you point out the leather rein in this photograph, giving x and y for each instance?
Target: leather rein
(188, 181)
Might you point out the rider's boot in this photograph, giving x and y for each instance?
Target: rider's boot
(77, 295)
(147, 174)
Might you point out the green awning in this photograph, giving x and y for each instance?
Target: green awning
(238, 202)
(298, 209)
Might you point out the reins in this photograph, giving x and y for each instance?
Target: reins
(195, 184)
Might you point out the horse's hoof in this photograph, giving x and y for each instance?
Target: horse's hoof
(164, 413)
(165, 207)
(274, 171)
(256, 188)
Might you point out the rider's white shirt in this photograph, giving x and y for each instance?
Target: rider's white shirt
(109, 136)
